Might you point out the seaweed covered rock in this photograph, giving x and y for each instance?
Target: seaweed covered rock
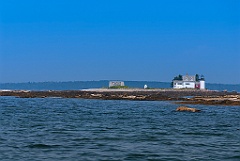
(188, 109)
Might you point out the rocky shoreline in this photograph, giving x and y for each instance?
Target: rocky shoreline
(187, 96)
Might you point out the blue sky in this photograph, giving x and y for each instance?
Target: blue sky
(154, 40)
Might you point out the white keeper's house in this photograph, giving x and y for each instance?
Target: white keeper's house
(189, 81)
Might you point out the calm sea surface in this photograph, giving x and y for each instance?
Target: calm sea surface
(78, 129)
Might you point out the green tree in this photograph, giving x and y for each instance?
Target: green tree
(197, 77)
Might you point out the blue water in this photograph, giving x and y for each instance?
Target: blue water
(79, 129)
(99, 84)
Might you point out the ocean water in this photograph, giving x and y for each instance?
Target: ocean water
(80, 129)
(99, 84)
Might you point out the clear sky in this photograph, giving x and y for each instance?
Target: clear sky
(154, 40)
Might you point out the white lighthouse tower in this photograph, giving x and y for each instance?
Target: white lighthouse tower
(202, 82)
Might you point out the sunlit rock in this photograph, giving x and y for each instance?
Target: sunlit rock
(185, 108)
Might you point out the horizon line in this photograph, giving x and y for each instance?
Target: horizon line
(104, 80)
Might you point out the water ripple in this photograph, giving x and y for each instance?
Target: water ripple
(42, 146)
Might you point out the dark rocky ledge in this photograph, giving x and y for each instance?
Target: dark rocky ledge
(207, 97)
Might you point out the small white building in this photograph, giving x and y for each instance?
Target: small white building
(188, 81)
(145, 86)
(116, 83)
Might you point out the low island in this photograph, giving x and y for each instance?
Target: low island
(179, 96)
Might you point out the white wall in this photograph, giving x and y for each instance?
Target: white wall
(179, 85)
(189, 85)
(202, 84)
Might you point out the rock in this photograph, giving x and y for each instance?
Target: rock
(129, 97)
(96, 95)
(185, 108)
